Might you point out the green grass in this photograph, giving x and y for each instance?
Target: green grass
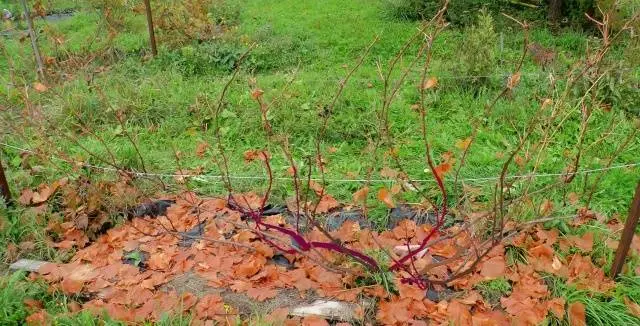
(601, 308)
(493, 290)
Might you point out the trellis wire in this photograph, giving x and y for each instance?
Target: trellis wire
(212, 178)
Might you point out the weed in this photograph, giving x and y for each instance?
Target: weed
(493, 290)
(478, 52)
(85, 318)
(601, 309)
(629, 286)
(515, 255)
(13, 291)
(383, 277)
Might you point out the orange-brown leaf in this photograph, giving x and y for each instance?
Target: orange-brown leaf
(314, 321)
(442, 169)
(577, 315)
(277, 316)
(360, 196)
(494, 267)
(513, 81)
(546, 207)
(326, 204)
(33, 304)
(40, 318)
(251, 266)
(256, 93)
(209, 307)
(458, 314)
(40, 87)
(262, 294)
(584, 243)
(70, 286)
(395, 312)
(201, 149)
(385, 196)
(411, 291)
(430, 83)
(316, 187)
(633, 307)
(25, 197)
(556, 306)
(159, 261)
(256, 154)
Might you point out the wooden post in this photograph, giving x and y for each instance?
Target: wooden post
(34, 43)
(4, 186)
(152, 35)
(627, 234)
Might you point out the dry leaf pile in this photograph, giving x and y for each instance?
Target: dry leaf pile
(230, 256)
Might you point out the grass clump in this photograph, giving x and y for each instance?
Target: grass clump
(14, 289)
(493, 290)
(601, 308)
(515, 255)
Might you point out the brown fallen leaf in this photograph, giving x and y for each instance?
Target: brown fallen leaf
(633, 307)
(556, 306)
(39, 318)
(277, 316)
(494, 267)
(459, 314)
(70, 286)
(314, 321)
(26, 196)
(262, 294)
(385, 196)
(33, 304)
(430, 83)
(201, 149)
(584, 243)
(40, 87)
(577, 314)
(360, 196)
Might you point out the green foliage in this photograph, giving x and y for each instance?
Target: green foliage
(493, 290)
(275, 51)
(620, 90)
(515, 255)
(478, 51)
(13, 291)
(225, 12)
(601, 309)
(459, 13)
(407, 9)
(85, 318)
(629, 286)
(202, 59)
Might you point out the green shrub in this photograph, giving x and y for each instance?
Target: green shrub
(224, 12)
(460, 12)
(478, 51)
(201, 59)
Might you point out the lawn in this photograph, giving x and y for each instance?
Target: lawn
(102, 71)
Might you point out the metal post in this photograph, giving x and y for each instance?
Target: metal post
(5, 193)
(627, 234)
(34, 44)
(152, 35)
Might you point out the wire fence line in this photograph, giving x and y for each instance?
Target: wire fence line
(438, 75)
(209, 178)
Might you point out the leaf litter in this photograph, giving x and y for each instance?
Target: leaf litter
(228, 255)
